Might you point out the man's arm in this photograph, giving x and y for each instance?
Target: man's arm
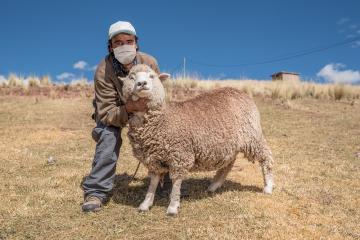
(136, 106)
(107, 100)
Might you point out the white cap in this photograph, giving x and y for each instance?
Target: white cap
(121, 27)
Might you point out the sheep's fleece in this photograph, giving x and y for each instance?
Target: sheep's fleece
(204, 133)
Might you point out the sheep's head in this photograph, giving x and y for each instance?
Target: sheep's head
(143, 82)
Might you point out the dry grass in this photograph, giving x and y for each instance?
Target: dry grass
(283, 90)
(314, 143)
(14, 81)
(286, 90)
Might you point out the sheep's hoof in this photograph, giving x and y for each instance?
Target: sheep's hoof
(268, 189)
(213, 187)
(172, 210)
(143, 208)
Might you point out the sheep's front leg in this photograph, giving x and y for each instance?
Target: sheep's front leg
(149, 198)
(174, 197)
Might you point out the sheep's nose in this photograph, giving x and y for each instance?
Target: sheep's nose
(141, 83)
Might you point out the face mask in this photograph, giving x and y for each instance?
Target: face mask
(125, 54)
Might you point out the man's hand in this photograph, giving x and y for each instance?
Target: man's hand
(136, 106)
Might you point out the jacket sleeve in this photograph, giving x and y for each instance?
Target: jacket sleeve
(150, 61)
(155, 66)
(108, 110)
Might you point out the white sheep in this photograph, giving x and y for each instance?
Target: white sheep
(201, 134)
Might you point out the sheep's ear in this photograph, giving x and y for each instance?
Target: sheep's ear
(164, 76)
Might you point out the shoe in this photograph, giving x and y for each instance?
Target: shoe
(92, 204)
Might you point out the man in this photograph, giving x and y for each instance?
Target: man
(111, 113)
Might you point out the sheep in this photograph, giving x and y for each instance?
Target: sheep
(204, 133)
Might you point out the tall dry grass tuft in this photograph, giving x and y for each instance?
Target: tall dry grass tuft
(33, 81)
(81, 82)
(45, 80)
(15, 81)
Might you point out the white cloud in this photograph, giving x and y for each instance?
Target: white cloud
(343, 21)
(81, 65)
(64, 76)
(334, 73)
(2, 79)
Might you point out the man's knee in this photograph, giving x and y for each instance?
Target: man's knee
(109, 138)
(108, 144)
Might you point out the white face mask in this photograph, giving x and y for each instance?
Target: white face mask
(125, 54)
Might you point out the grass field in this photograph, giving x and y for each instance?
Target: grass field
(316, 146)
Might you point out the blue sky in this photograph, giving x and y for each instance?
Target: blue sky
(51, 37)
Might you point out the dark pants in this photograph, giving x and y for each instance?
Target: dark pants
(100, 181)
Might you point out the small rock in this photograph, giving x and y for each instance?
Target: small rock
(357, 154)
(51, 160)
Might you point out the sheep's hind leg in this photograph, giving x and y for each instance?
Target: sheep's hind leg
(266, 162)
(220, 177)
(266, 167)
(149, 198)
(174, 197)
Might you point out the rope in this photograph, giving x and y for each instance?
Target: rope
(133, 176)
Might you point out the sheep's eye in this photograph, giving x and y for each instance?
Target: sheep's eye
(152, 75)
(132, 76)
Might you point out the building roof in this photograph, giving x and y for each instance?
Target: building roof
(284, 72)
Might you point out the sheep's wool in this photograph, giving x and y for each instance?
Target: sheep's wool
(201, 134)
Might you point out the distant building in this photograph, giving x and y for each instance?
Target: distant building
(286, 76)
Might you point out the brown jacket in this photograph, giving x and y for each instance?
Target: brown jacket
(107, 91)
